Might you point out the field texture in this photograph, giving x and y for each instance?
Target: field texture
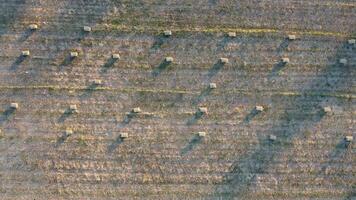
(163, 157)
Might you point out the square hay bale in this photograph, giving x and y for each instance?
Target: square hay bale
(285, 60)
(292, 37)
(25, 53)
(167, 33)
(231, 34)
(33, 27)
(259, 108)
(116, 56)
(201, 134)
(124, 135)
(97, 82)
(343, 61)
(272, 137)
(69, 132)
(73, 108)
(352, 41)
(203, 110)
(327, 109)
(136, 110)
(14, 105)
(87, 28)
(349, 138)
(73, 54)
(169, 59)
(212, 86)
(224, 60)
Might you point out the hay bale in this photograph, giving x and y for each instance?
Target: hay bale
(231, 34)
(292, 37)
(272, 137)
(116, 56)
(212, 86)
(73, 108)
(201, 134)
(97, 82)
(14, 105)
(327, 110)
(167, 33)
(169, 59)
(124, 135)
(285, 60)
(136, 110)
(25, 53)
(343, 61)
(224, 60)
(203, 110)
(349, 138)
(33, 27)
(68, 132)
(259, 108)
(73, 54)
(87, 28)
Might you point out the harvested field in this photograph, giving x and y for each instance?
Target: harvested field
(107, 149)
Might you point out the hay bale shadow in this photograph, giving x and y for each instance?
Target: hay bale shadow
(221, 45)
(198, 115)
(88, 91)
(192, 143)
(284, 45)
(26, 35)
(159, 41)
(15, 65)
(277, 68)
(215, 69)
(202, 95)
(114, 145)
(61, 139)
(162, 66)
(68, 112)
(6, 114)
(109, 64)
(67, 61)
(253, 113)
(129, 117)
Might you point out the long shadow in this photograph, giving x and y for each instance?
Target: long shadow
(202, 95)
(6, 114)
(109, 64)
(221, 45)
(15, 65)
(277, 68)
(61, 139)
(67, 113)
(198, 115)
(127, 119)
(284, 45)
(337, 154)
(159, 40)
(26, 35)
(88, 91)
(251, 115)
(115, 144)
(163, 66)
(306, 113)
(215, 69)
(341, 150)
(67, 61)
(190, 146)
